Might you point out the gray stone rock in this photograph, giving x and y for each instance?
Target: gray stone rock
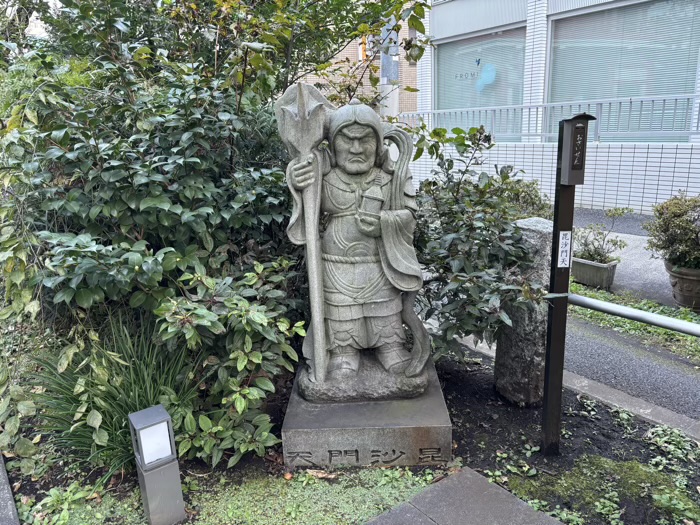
(520, 349)
(372, 381)
(537, 233)
(8, 511)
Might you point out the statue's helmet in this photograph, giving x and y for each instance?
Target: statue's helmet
(356, 113)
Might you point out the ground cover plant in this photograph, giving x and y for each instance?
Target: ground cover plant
(613, 469)
(248, 495)
(680, 344)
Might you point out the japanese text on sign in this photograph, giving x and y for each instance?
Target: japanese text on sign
(577, 156)
(564, 256)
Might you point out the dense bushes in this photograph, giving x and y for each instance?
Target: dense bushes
(143, 175)
(467, 240)
(135, 198)
(674, 233)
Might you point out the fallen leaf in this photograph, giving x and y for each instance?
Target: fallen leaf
(322, 474)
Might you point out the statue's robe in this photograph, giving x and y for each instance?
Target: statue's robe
(363, 276)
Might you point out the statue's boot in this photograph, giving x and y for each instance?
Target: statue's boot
(394, 358)
(344, 362)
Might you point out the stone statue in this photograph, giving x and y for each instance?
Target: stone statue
(354, 209)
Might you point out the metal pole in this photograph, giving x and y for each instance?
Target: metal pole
(651, 318)
(556, 323)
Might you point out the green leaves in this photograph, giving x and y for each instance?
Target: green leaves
(94, 419)
(466, 235)
(24, 448)
(161, 202)
(204, 423)
(100, 437)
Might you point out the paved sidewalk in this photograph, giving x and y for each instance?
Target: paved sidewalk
(465, 498)
(638, 271)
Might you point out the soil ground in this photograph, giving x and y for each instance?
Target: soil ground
(495, 438)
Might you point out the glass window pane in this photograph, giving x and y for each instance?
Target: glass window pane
(483, 71)
(643, 50)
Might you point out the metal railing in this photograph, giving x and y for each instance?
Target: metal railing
(672, 118)
(662, 321)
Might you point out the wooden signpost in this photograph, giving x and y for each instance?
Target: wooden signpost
(571, 159)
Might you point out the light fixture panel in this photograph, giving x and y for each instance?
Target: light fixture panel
(155, 443)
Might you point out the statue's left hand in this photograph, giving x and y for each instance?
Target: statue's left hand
(368, 223)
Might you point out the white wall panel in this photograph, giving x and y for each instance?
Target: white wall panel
(424, 73)
(461, 17)
(617, 175)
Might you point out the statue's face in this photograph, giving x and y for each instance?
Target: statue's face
(355, 149)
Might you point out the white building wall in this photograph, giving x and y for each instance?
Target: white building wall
(535, 68)
(535, 71)
(424, 81)
(638, 176)
(461, 17)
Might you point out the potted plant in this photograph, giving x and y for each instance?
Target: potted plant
(674, 234)
(593, 260)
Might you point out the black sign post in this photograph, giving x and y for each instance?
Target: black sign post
(571, 159)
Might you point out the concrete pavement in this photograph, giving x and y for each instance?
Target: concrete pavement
(638, 272)
(464, 498)
(624, 363)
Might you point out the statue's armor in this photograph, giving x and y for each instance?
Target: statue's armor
(362, 308)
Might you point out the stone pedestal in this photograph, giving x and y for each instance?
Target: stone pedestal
(413, 431)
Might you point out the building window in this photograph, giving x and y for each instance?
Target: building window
(642, 50)
(483, 71)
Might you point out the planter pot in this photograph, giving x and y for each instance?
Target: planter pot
(597, 275)
(686, 285)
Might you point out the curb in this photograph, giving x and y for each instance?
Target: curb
(8, 510)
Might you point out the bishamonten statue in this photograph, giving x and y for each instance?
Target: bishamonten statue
(354, 210)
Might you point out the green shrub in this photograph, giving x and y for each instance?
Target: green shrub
(135, 198)
(594, 242)
(674, 233)
(529, 200)
(467, 239)
(88, 393)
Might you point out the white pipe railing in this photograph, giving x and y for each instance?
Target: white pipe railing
(671, 118)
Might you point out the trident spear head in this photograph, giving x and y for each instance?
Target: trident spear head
(301, 118)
